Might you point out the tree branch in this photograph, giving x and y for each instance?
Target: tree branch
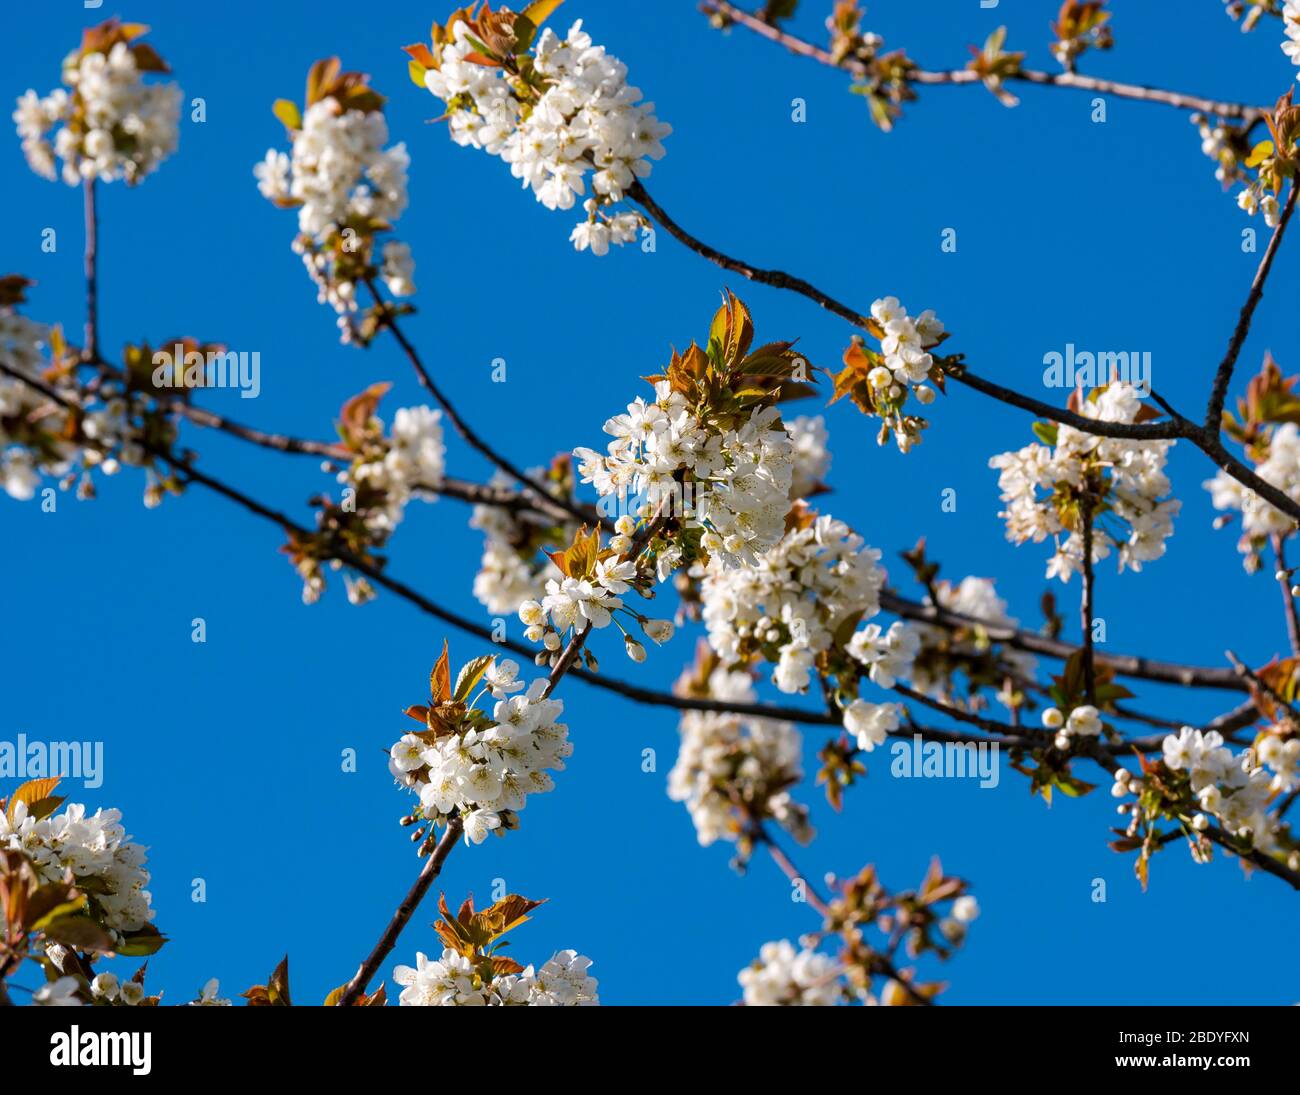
(1127, 665)
(1223, 376)
(1117, 88)
(883, 962)
(462, 427)
(388, 940)
(1288, 598)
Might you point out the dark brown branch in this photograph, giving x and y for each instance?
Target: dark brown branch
(965, 76)
(1254, 857)
(388, 940)
(1223, 376)
(1206, 440)
(276, 441)
(883, 962)
(462, 427)
(1265, 863)
(1226, 724)
(1288, 598)
(1142, 431)
(1006, 734)
(461, 489)
(1127, 665)
(1248, 674)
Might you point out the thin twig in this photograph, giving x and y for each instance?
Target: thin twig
(1223, 375)
(1262, 685)
(1206, 440)
(1127, 665)
(965, 76)
(1288, 598)
(462, 427)
(1226, 725)
(787, 866)
(388, 940)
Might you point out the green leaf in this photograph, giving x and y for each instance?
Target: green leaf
(525, 30)
(139, 944)
(288, 113)
(49, 901)
(539, 11)
(1260, 153)
(36, 794)
(1046, 432)
(470, 674)
(416, 71)
(1075, 788)
(79, 931)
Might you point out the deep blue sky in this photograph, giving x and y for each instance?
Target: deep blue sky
(225, 757)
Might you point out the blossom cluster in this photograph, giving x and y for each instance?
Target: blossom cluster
(1226, 145)
(347, 187)
(1082, 721)
(1120, 483)
(111, 124)
(883, 79)
(871, 723)
(406, 464)
(733, 771)
(386, 471)
(1233, 787)
(484, 768)
(555, 109)
(40, 435)
(1280, 466)
(784, 977)
(1251, 202)
(1281, 755)
(96, 849)
(787, 606)
(706, 467)
(1271, 159)
(587, 595)
(739, 477)
(455, 981)
(880, 382)
(513, 568)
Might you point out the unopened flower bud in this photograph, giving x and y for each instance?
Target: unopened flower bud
(658, 630)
